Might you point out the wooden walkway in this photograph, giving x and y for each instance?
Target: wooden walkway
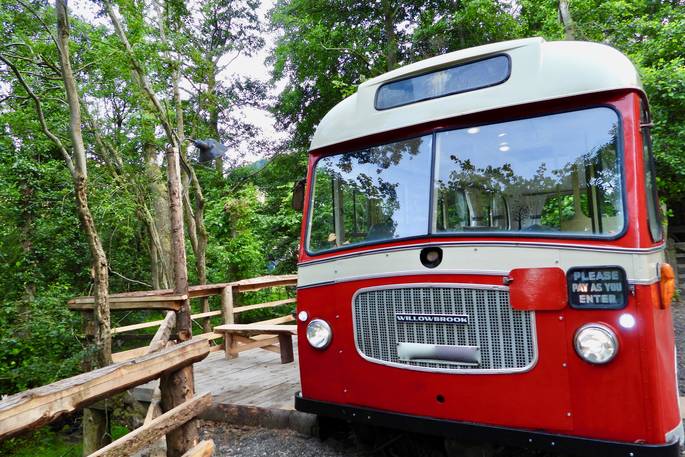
(253, 389)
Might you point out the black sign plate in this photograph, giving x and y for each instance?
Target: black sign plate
(603, 287)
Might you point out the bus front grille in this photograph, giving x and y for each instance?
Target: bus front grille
(480, 319)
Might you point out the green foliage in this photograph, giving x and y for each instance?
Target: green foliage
(54, 441)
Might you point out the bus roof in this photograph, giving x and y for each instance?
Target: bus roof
(540, 70)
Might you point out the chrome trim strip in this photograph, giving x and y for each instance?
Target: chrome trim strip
(572, 247)
(643, 282)
(467, 371)
(439, 353)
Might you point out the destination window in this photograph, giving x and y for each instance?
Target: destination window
(447, 81)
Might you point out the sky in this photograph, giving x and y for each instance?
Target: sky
(250, 66)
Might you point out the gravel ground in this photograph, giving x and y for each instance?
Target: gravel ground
(258, 442)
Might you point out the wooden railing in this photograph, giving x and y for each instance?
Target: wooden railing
(161, 358)
(166, 300)
(33, 408)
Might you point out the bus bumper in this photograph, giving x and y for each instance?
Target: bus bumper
(470, 432)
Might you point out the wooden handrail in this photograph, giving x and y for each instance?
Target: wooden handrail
(170, 302)
(272, 304)
(204, 290)
(165, 299)
(142, 325)
(35, 407)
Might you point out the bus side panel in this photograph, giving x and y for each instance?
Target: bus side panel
(608, 400)
(658, 342)
(320, 370)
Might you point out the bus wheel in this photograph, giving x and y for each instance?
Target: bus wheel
(328, 427)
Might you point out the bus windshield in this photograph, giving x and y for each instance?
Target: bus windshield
(556, 174)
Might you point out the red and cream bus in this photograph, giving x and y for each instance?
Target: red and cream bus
(482, 255)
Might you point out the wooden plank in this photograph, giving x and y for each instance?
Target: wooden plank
(172, 305)
(129, 328)
(206, 290)
(256, 329)
(207, 314)
(247, 285)
(271, 304)
(35, 407)
(278, 320)
(268, 347)
(148, 434)
(137, 293)
(198, 291)
(154, 410)
(208, 336)
(204, 448)
(246, 344)
(161, 338)
(123, 356)
(152, 299)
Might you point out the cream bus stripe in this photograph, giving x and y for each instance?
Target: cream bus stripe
(524, 244)
(481, 260)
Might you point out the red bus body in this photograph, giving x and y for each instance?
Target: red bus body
(626, 407)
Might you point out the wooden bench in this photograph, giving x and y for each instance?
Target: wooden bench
(242, 337)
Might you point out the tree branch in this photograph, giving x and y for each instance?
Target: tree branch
(350, 51)
(40, 19)
(41, 115)
(140, 73)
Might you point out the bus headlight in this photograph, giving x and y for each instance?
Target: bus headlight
(319, 334)
(596, 343)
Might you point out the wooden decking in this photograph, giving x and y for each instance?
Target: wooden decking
(255, 379)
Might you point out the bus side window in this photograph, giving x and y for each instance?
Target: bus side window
(652, 199)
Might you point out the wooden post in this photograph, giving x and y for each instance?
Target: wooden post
(207, 321)
(227, 305)
(94, 422)
(178, 387)
(285, 341)
(230, 346)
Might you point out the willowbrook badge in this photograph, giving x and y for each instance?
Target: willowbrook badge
(459, 319)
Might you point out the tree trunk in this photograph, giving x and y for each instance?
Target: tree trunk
(95, 424)
(179, 386)
(96, 432)
(160, 231)
(567, 20)
(213, 110)
(195, 218)
(390, 36)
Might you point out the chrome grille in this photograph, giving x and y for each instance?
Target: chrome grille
(506, 337)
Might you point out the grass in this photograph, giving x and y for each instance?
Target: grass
(50, 443)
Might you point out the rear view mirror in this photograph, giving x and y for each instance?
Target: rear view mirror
(298, 195)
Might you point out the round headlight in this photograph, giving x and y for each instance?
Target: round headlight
(319, 334)
(596, 343)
